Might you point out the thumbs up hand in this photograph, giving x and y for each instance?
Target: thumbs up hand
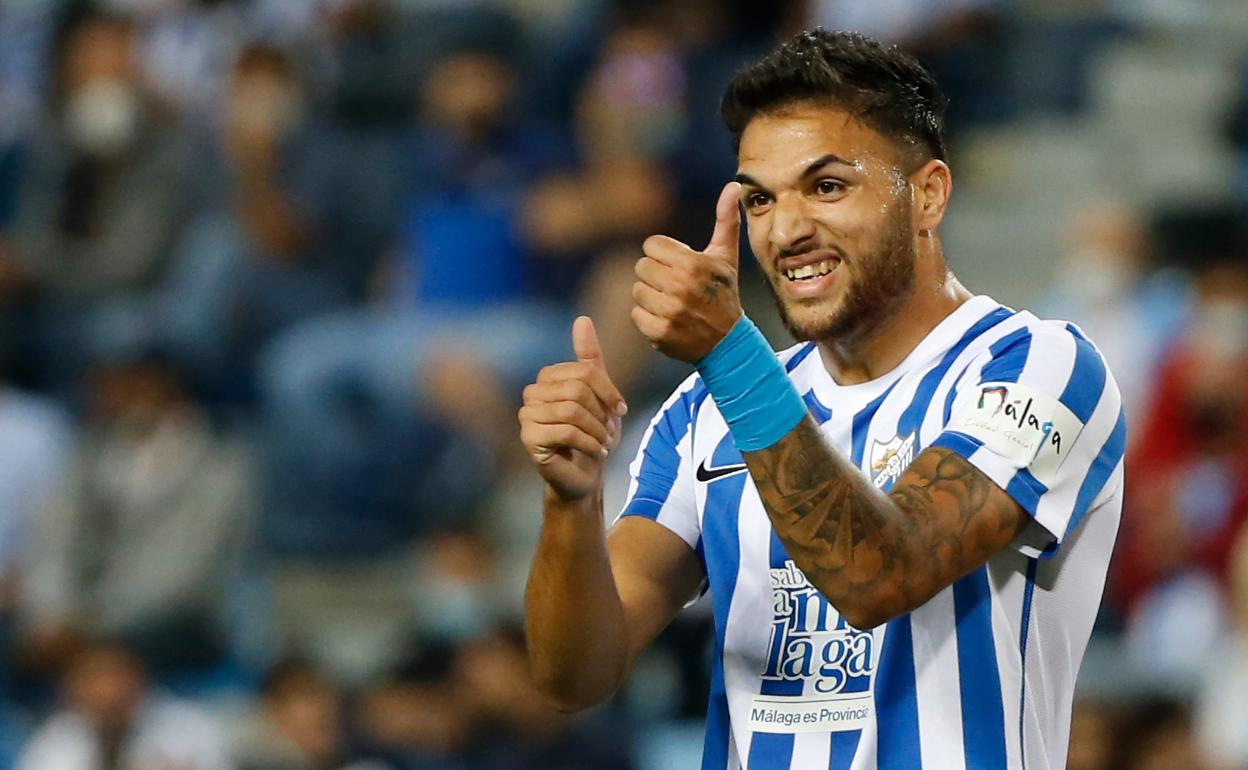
(570, 420)
(688, 300)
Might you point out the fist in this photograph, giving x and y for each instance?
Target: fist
(687, 300)
(570, 420)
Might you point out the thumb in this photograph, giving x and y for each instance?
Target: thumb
(585, 342)
(726, 240)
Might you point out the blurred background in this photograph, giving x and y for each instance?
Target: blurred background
(273, 273)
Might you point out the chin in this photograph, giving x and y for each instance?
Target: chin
(814, 322)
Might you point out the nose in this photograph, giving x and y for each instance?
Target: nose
(791, 224)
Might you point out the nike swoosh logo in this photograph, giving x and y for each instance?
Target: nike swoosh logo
(710, 474)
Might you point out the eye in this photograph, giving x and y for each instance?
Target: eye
(757, 200)
(829, 187)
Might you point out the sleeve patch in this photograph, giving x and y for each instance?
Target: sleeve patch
(1027, 426)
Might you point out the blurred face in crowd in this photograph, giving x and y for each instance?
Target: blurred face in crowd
(105, 685)
(828, 209)
(467, 93)
(306, 709)
(137, 395)
(263, 103)
(1218, 343)
(1106, 251)
(633, 105)
(426, 718)
(102, 101)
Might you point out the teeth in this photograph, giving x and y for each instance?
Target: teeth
(811, 271)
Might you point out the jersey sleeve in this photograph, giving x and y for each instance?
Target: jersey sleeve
(661, 487)
(1043, 419)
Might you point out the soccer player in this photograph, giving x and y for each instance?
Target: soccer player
(904, 521)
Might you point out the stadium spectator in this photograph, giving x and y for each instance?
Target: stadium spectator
(1189, 495)
(1107, 283)
(299, 725)
(458, 324)
(141, 541)
(414, 719)
(253, 262)
(455, 586)
(102, 200)
(111, 718)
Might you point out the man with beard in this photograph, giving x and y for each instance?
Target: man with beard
(904, 521)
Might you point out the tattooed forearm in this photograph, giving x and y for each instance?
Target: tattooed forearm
(877, 555)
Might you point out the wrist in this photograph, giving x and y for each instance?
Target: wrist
(751, 388)
(556, 505)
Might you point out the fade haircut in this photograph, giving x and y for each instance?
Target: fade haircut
(885, 88)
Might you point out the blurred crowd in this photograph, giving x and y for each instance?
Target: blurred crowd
(272, 276)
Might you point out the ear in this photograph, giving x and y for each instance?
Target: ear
(932, 184)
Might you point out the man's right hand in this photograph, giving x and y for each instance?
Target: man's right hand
(570, 420)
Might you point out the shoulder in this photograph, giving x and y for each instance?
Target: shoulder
(1044, 359)
(1040, 345)
(1043, 369)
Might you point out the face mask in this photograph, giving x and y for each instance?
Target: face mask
(102, 117)
(452, 609)
(1220, 329)
(1092, 276)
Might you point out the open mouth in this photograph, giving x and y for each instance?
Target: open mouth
(813, 271)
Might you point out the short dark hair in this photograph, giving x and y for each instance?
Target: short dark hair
(884, 87)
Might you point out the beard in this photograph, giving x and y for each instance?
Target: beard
(878, 284)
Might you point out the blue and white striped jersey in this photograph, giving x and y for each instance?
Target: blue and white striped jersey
(982, 675)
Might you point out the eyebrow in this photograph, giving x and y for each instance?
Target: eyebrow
(826, 160)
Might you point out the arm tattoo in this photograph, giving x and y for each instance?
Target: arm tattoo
(877, 555)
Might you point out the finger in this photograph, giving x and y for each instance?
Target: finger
(552, 438)
(665, 278)
(592, 375)
(667, 250)
(651, 326)
(615, 427)
(726, 239)
(585, 341)
(567, 413)
(567, 390)
(655, 301)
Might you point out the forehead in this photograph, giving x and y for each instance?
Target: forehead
(779, 145)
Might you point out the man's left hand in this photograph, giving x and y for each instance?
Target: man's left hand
(688, 300)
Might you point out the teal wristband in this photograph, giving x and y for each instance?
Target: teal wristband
(751, 388)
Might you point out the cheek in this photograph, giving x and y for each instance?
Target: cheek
(862, 225)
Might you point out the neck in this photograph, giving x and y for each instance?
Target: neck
(936, 294)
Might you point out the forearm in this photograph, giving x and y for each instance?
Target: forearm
(875, 555)
(575, 624)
